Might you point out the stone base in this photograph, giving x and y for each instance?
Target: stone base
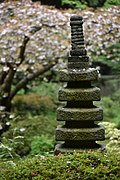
(61, 149)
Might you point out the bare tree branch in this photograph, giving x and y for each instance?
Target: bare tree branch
(3, 74)
(29, 78)
(22, 50)
(8, 81)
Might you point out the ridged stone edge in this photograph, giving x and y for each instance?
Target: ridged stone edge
(79, 114)
(78, 75)
(77, 134)
(59, 148)
(79, 94)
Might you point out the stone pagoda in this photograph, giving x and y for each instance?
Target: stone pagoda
(80, 130)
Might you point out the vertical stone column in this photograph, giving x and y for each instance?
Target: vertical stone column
(80, 130)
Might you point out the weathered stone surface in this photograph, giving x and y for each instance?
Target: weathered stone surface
(78, 52)
(60, 148)
(76, 134)
(77, 33)
(79, 94)
(79, 43)
(76, 17)
(72, 23)
(78, 65)
(80, 131)
(78, 58)
(74, 29)
(77, 36)
(78, 75)
(74, 46)
(77, 40)
(79, 114)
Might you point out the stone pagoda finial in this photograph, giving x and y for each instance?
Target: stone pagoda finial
(77, 38)
(78, 55)
(80, 131)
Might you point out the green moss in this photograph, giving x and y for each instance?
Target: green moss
(76, 166)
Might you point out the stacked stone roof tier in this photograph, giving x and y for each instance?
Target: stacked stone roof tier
(79, 114)
(79, 94)
(76, 134)
(89, 74)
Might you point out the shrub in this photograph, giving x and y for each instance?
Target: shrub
(15, 147)
(108, 3)
(111, 108)
(33, 126)
(19, 141)
(95, 3)
(41, 144)
(74, 4)
(84, 166)
(33, 104)
(116, 97)
(112, 135)
(44, 88)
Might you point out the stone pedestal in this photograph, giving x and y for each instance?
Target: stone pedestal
(80, 131)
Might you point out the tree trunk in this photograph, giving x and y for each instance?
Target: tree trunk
(6, 102)
(56, 3)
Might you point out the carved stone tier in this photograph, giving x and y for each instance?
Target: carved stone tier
(90, 74)
(79, 134)
(63, 148)
(79, 114)
(76, 65)
(79, 94)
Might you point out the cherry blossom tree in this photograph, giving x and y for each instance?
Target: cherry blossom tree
(8, 73)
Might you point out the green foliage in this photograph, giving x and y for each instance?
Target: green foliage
(34, 135)
(95, 3)
(36, 119)
(82, 4)
(13, 148)
(116, 97)
(84, 166)
(74, 4)
(41, 144)
(41, 99)
(112, 135)
(33, 126)
(111, 108)
(7, 149)
(34, 104)
(112, 58)
(109, 3)
(44, 88)
(14, 143)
